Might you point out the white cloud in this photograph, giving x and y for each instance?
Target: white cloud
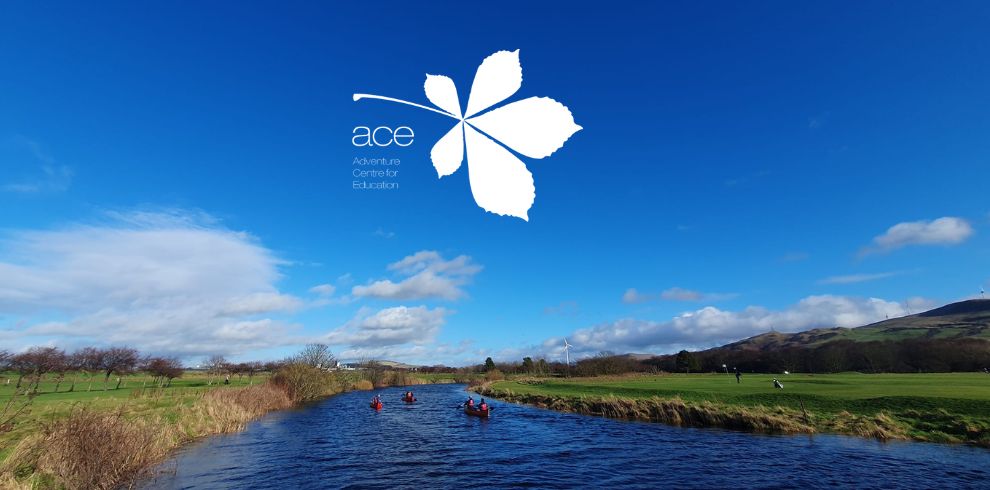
(324, 290)
(453, 354)
(632, 295)
(942, 231)
(167, 282)
(710, 326)
(429, 275)
(854, 278)
(390, 327)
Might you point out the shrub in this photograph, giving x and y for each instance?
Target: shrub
(362, 384)
(89, 449)
(303, 382)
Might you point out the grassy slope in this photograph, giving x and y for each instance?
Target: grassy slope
(949, 403)
(965, 319)
(135, 401)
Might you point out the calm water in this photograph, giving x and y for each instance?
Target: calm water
(340, 442)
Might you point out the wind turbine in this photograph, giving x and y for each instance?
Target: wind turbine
(567, 347)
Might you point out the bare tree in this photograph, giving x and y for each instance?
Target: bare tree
(35, 362)
(164, 369)
(272, 366)
(216, 365)
(22, 365)
(119, 361)
(374, 371)
(318, 356)
(88, 360)
(57, 363)
(252, 369)
(5, 362)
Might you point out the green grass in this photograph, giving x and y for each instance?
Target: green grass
(926, 403)
(137, 397)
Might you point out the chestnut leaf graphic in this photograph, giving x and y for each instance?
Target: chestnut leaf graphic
(534, 127)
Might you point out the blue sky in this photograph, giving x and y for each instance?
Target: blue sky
(178, 177)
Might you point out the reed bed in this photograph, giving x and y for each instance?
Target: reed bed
(677, 412)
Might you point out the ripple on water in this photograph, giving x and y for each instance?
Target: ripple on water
(340, 443)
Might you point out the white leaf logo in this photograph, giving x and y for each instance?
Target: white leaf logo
(535, 127)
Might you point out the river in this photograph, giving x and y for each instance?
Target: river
(340, 442)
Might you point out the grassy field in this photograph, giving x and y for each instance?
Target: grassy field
(137, 397)
(445, 377)
(936, 407)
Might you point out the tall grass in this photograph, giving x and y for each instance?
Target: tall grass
(302, 382)
(766, 419)
(100, 446)
(92, 448)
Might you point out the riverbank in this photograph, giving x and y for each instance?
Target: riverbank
(952, 408)
(110, 438)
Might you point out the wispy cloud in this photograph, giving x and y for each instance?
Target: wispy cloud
(426, 275)
(381, 233)
(745, 179)
(564, 308)
(794, 257)
(458, 353)
(710, 326)
(633, 296)
(855, 278)
(41, 173)
(942, 231)
(818, 120)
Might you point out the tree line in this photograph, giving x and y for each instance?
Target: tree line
(904, 356)
(90, 364)
(93, 364)
(33, 364)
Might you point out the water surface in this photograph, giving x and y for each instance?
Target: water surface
(341, 443)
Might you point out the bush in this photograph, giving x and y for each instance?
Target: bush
(89, 449)
(494, 375)
(362, 384)
(303, 382)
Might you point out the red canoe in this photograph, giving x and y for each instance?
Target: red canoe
(477, 412)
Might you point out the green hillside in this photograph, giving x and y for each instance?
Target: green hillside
(962, 320)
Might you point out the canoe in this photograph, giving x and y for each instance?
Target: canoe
(376, 406)
(477, 412)
(409, 400)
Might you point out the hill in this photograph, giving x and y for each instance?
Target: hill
(962, 320)
(955, 337)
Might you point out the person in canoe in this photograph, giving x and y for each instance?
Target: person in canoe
(408, 397)
(480, 410)
(376, 402)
